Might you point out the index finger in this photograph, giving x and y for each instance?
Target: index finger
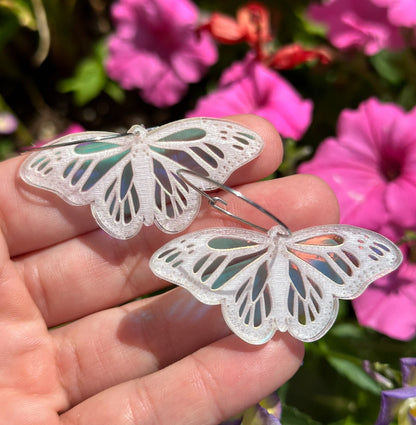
(32, 218)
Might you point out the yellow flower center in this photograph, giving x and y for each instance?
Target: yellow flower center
(407, 408)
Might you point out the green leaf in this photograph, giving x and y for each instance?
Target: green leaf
(310, 26)
(6, 148)
(22, 11)
(347, 421)
(407, 96)
(354, 373)
(388, 66)
(293, 416)
(348, 330)
(88, 81)
(294, 153)
(8, 28)
(115, 91)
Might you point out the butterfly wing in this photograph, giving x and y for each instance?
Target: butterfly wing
(225, 266)
(324, 263)
(131, 179)
(270, 282)
(96, 172)
(213, 148)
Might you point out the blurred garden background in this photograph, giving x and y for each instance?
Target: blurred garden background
(336, 78)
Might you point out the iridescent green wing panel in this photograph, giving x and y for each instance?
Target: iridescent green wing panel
(97, 171)
(210, 147)
(226, 266)
(326, 263)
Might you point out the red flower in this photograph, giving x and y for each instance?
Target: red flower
(254, 20)
(252, 26)
(224, 29)
(292, 55)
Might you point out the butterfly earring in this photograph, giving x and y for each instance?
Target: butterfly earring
(131, 179)
(274, 280)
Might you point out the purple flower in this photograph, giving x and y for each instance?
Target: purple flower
(408, 368)
(250, 87)
(267, 412)
(401, 402)
(357, 24)
(157, 48)
(8, 123)
(400, 12)
(371, 166)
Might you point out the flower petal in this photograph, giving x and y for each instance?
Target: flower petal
(408, 368)
(388, 304)
(157, 48)
(250, 87)
(357, 24)
(390, 403)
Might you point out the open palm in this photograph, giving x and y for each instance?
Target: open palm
(75, 351)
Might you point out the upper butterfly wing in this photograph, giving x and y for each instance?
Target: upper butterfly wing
(322, 264)
(213, 148)
(225, 266)
(96, 172)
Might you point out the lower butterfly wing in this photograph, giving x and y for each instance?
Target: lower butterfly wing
(96, 171)
(175, 203)
(323, 264)
(213, 148)
(225, 266)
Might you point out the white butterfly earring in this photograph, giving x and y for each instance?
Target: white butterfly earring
(131, 179)
(275, 280)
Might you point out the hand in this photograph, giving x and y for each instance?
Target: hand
(167, 359)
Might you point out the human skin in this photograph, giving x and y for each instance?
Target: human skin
(162, 360)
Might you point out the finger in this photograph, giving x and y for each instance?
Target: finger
(94, 272)
(32, 218)
(133, 340)
(269, 159)
(206, 387)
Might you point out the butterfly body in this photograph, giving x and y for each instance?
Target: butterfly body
(269, 282)
(131, 179)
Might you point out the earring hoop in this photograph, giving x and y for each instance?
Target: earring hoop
(214, 200)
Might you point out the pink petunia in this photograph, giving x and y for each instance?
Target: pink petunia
(250, 87)
(8, 123)
(358, 24)
(156, 48)
(389, 304)
(72, 128)
(371, 166)
(400, 12)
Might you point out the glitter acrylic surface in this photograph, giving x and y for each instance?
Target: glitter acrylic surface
(131, 179)
(275, 282)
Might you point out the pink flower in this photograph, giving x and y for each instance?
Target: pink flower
(389, 304)
(72, 128)
(250, 87)
(371, 166)
(357, 24)
(400, 12)
(8, 123)
(157, 48)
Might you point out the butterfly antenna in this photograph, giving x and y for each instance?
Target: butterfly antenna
(214, 200)
(74, 142)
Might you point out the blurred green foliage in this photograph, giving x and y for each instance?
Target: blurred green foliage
(331, 386)
(52, 74)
